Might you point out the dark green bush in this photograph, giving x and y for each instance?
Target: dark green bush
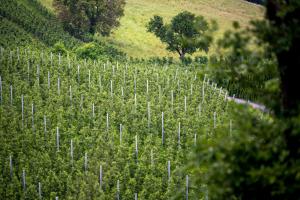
(254, 163)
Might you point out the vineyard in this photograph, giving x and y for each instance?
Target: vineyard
(27, 20)
(83, 129)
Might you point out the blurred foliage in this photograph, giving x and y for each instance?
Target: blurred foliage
(253, 163)
(246, 70)
(261, 158)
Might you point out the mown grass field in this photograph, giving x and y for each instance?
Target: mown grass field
(133, 39)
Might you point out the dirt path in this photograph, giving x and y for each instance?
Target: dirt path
(253, 105)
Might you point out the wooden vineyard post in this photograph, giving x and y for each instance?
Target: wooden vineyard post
(100, 177)
(81, 101)
(135, 102)
(85, 162)
(111, 88)
(40, 190)
(187, 188)
(24, 180)
(179, 127)
(195, 139)
(100, 82)
(22, 109)
(28, 71)
(169, 170)
(57, 139)
(48, 80)
(93, 110)
(151, 158)
(45, 126)
(1, 99)
(78, 73)
(159, 94)
(149, 115)
(11, 167)
(11, 94)
(58, 86)
(118, 190)
(136, 146)
(122, 92)
(185, 108)
(51, 58)
(203, 88)
(134, 84)
(121, 130)
(38, 74)
(215, 119)
(147, 88)
(70, 91)
(107, 122)
(199, 109)
(135, 196)
(162, 129)
(59, 59)
(89, 79)
(32, 117)
(72, 153)
(172, 100)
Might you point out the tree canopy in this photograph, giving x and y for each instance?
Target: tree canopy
(186, 33)
(90, 16)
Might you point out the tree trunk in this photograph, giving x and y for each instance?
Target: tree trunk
(288, 67)
(92, 28)
(182, 55)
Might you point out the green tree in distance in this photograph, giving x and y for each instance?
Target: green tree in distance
(89, 16)
(186, 33)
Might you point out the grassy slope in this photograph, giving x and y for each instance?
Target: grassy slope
(132, 37)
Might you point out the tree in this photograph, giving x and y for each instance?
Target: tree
(186, 34)
(82, 16)
(262, 161)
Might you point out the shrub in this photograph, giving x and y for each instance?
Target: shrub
(59, 47)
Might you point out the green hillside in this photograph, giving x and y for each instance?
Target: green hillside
(132, 37)
(27, 22)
